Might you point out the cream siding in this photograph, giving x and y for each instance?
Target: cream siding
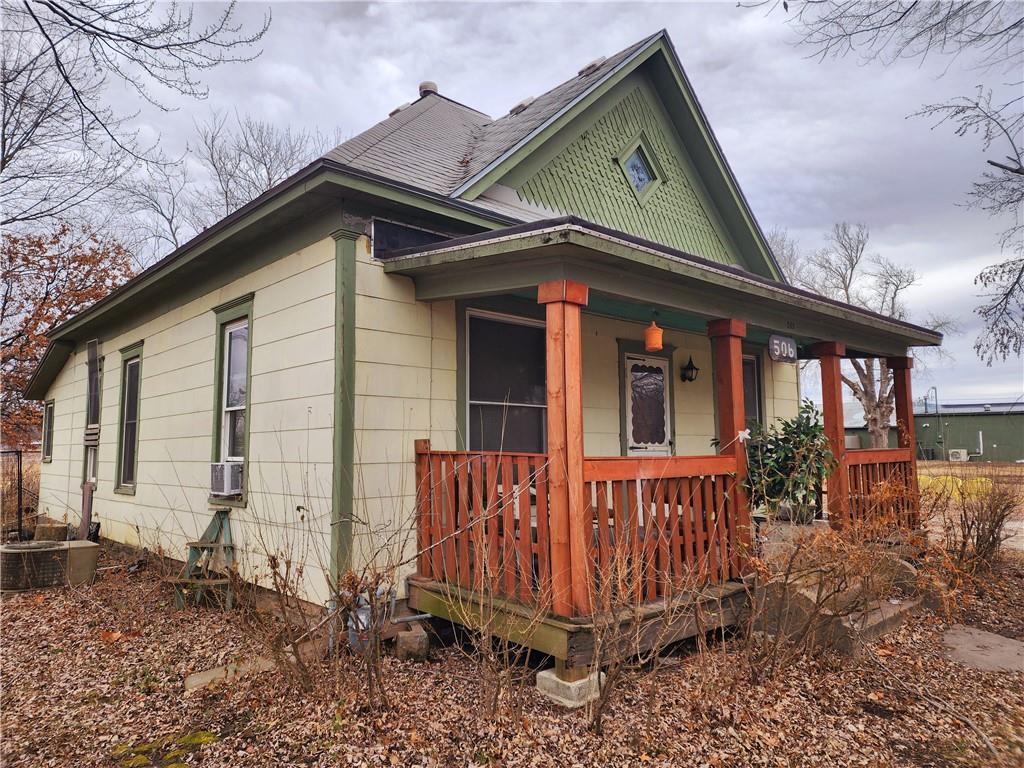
(404, 390)
(291, 407)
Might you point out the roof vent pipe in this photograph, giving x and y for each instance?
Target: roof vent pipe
(427, 86)
(522, 105)
(592, 66)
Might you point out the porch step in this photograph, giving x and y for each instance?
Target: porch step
(845, 621)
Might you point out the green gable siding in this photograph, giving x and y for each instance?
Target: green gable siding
(585, 179)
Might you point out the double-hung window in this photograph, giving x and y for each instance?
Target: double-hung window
(128, 433)
(507, 389)
(48, 411)
(234, 389)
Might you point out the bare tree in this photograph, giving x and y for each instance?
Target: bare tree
(247, 157)
(845, 270)
(62, 144)
(232, 162)
(992, 35)
(999, 191)
(53, 159)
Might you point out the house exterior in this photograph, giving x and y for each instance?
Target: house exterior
(451, 309)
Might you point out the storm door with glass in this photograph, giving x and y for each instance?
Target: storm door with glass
(648, 408)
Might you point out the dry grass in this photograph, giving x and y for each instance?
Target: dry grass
(9, 489)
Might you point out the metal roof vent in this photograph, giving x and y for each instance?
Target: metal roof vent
(592, 66)
(427, 86)
(398, 109)
(521, 106)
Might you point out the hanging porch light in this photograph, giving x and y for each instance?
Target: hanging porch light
(653, 338)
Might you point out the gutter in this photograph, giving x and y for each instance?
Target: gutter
(411, 258)
(306, 176)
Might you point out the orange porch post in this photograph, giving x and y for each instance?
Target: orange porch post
(901, 367)
(830, 353)
(727, 346)
(570, 582)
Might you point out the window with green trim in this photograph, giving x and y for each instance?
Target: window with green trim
(641, 168)
(128, 435)
(48, 410)
(234, 389)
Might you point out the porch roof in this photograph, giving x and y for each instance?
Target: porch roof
(619, 265)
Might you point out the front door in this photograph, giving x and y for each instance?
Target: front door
(647, 406)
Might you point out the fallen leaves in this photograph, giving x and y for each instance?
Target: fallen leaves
(110, 662)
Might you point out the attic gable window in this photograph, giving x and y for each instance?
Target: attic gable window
(640, 167)
(638, 171)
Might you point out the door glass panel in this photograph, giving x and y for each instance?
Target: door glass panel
(647, 389)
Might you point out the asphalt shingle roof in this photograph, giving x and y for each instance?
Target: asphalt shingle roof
(438, 144)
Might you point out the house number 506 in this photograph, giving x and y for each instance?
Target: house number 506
(782, 349)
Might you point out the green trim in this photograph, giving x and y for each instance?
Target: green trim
(493, 173)
(44, 457)
(647, 153)
(229, 312)
(129, 353)
(343, 475)
(635, 347)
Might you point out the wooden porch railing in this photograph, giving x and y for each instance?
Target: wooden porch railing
(882, 484)
(483, 522)
(670, 521)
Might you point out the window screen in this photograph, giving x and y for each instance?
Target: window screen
(129, 420)
(507, 389)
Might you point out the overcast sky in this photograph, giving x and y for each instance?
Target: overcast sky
(811, 142)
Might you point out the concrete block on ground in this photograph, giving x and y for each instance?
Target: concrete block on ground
(414, 644)
(570, 694)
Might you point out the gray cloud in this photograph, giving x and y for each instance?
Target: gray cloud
(812, 142)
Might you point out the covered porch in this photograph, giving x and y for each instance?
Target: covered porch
(554, 528)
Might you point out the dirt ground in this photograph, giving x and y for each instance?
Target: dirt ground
(94, 677)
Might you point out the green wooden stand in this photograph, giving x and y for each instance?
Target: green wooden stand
(198, 582)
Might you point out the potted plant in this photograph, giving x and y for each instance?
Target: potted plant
(786, 464)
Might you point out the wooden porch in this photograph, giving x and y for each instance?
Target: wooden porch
(560, 541)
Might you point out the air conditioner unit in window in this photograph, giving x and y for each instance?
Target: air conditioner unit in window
(226, 478)
(958, 454)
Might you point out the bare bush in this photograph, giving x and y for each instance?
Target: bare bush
(969, 506)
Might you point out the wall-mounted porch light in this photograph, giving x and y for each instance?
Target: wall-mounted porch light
(653, 338)
(689, 371)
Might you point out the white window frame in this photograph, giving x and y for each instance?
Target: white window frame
(225, 409)
(499, 317)
(647, 449)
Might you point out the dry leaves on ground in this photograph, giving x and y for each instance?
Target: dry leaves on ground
(93, 677)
